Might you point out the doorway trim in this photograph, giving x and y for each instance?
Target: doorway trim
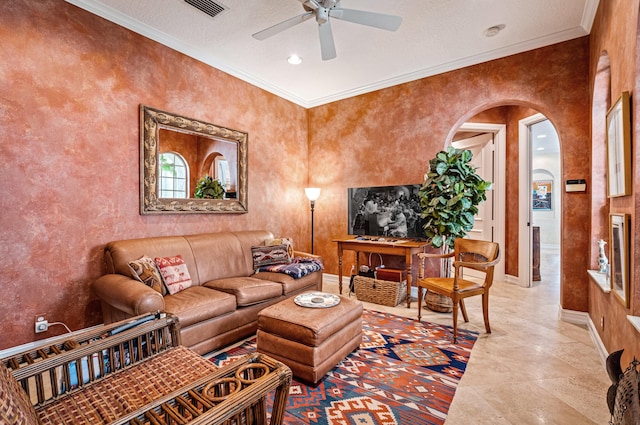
(525, 229)
(499, 184)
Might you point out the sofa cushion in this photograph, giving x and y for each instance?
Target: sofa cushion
(145, 270)
(227, 254)
(117, 254)
(247, 290)
(197, 304)
(288, 242)
(272, 254)
(175, 273)
(15, 407)
(289, 284)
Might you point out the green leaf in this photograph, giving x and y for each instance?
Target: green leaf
(450, 195)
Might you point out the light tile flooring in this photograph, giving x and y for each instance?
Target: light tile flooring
(533, 368)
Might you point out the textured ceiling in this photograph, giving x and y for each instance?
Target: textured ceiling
(435, 36)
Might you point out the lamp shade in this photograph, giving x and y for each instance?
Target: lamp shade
(312, 193)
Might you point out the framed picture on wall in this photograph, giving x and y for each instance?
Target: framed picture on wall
(619, 256)
(619, 148)
(542, 195)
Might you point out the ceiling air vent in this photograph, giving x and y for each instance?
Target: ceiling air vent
(209, 7)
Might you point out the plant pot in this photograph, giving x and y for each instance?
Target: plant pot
(438, 303)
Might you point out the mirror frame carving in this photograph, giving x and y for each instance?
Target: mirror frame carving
(151, 121)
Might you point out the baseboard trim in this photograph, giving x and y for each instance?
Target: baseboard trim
(333, 278)
(597, 343)
(583, 319)
(572, 316)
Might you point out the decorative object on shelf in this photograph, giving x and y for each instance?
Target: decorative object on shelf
(449, 200)
(313, 193)
(603, 261)
(619, 147)
(209, 188)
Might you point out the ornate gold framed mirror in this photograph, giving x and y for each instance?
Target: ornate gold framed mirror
(180, 163)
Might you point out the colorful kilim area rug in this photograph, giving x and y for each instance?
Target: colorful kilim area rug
(405, 372)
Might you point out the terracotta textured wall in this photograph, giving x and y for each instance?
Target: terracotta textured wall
(70, 89)
(387, 137)
(614, 35)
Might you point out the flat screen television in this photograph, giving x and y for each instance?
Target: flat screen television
(385, 211)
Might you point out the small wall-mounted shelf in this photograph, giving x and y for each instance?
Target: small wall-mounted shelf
(635, 321)
(601, 280)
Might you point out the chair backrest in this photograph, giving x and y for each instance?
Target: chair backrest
(477, 251)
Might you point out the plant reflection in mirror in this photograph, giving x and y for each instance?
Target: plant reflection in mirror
(209, 188)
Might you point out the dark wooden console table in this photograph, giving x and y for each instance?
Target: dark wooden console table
(401, 247)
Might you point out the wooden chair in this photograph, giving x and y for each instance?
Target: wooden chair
(467, 253)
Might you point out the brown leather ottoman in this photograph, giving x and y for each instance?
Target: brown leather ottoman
(311, 341)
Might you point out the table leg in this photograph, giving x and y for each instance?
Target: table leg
(407, 261)
(340, 269)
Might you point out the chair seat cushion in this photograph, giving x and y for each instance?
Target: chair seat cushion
(124, 392)
(444, 285)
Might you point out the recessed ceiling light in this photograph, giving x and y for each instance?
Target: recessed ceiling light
(539, 149)
(494, 30)
(541, 136)
(294, 60)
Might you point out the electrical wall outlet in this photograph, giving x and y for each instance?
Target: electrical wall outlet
(42, 324)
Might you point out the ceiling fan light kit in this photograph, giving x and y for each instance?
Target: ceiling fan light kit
(323, 10)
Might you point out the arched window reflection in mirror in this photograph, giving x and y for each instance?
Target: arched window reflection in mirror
(174, 175)
(221, 172)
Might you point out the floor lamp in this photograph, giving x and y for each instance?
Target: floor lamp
(312, 193)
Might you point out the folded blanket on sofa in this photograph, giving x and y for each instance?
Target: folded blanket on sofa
(299, 267)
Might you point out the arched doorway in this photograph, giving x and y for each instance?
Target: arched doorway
(507, 115)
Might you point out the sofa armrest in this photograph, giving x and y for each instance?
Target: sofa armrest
(128, 295)
(305, 254)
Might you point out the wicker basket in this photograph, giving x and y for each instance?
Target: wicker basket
(438, 303)
(382, 292)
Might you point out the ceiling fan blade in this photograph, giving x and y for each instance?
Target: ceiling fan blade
(371, 19)
(327, 46)
(284, 25)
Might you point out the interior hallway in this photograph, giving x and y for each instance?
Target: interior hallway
(533, 368)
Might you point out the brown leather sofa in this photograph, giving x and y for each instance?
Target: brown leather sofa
(221, 306)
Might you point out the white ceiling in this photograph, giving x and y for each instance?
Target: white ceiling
(435, 36)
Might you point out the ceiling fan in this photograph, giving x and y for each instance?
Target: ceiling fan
(322, 10)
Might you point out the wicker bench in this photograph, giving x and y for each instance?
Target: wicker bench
(124, 374)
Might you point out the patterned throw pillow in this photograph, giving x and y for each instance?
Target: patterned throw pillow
(15, 407)
(145, 270)
(266, 255)
(282, 241)
(174, 273)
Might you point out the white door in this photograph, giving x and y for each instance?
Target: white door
(482, 148)
(491, 156)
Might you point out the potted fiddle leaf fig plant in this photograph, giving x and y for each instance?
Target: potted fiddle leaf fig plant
(209, 188)
(449, 200)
